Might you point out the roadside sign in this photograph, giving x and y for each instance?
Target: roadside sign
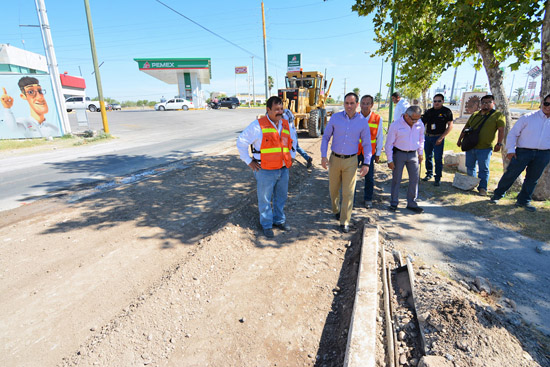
(241, 70)
(534, 72)
(532, 85)
(294, 62)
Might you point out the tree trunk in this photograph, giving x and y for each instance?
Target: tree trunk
(494, 75)
(542, 191)
(425, 99)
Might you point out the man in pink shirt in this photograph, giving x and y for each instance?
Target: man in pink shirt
(404, 147)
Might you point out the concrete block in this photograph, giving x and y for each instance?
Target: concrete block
(434, 361)
(450, 158)
(453, 159)
(361, 347)
(465, 182)
(462, 162)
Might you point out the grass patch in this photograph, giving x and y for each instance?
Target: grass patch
(34, 146)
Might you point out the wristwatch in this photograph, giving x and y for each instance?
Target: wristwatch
(499, 144)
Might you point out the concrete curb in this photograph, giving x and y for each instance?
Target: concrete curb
(361, 347)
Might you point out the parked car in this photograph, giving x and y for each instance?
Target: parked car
(230, 102)
(73, 103)
(114, 106)
(174, 104)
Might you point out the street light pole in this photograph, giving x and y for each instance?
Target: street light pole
(381, 74)
(380, 89)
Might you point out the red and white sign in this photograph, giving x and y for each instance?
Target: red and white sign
(534, 72)
(532, 85)
(241, 70)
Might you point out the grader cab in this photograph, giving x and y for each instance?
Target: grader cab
(305, 95)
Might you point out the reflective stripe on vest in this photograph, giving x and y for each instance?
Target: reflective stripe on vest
(374, 123)
(275, 148)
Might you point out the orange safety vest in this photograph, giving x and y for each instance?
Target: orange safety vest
(374, 123)
(275, 148)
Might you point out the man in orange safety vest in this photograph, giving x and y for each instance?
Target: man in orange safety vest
(273, 146)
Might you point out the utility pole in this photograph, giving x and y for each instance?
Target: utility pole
(345, 79)
(392, 83)
(52, 65)
(265, 56)
(474, 83)
(453, 87)
(380, 90)
(512, 87)
(96, 68)
(253, 89)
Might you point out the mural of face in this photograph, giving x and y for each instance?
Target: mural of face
(34, 95)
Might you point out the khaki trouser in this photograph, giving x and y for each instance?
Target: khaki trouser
(342, 174)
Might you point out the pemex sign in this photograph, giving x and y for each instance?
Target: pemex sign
(294, 62)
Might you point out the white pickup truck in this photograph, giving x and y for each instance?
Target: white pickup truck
(73, 103)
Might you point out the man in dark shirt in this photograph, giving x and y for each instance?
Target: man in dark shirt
(438, 122)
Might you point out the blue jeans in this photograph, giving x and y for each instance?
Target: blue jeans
(435, 152)
(535, 161)
(272, 185)
(369, 182)
(302, 152)
(483, 158)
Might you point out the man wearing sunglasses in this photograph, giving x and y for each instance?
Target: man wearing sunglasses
(480, 155)
(527, 148)
(438, 122)
(34, 126)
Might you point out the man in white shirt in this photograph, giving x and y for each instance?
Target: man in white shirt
(527, 148)
(404, 147)
(273, 148)
(401, 105)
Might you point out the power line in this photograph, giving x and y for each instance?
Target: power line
(319, 38)
(315, 21)
(208, 30)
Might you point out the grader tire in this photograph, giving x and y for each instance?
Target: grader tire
(314, 124)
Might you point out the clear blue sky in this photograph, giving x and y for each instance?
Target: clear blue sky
(327, 34)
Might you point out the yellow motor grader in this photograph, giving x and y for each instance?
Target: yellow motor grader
(305, 95)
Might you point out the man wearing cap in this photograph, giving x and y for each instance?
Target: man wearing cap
(527, 148)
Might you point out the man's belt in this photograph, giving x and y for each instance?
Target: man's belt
(540, 150)
(433, 134)
(344, 156)
(404, 151)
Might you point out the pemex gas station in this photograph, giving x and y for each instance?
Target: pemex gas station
(188, 74)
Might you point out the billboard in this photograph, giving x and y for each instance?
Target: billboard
(28, 107)
(241, 70)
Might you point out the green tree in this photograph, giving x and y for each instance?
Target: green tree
(270, 84)
(357, 91)
(330, 100)
(378, 97)
(519, 93)
(491, 31)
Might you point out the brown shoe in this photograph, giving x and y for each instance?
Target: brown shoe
(482, 192)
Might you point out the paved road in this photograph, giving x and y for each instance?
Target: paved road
(145, 139)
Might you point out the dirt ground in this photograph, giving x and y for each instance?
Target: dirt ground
(172, 271)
